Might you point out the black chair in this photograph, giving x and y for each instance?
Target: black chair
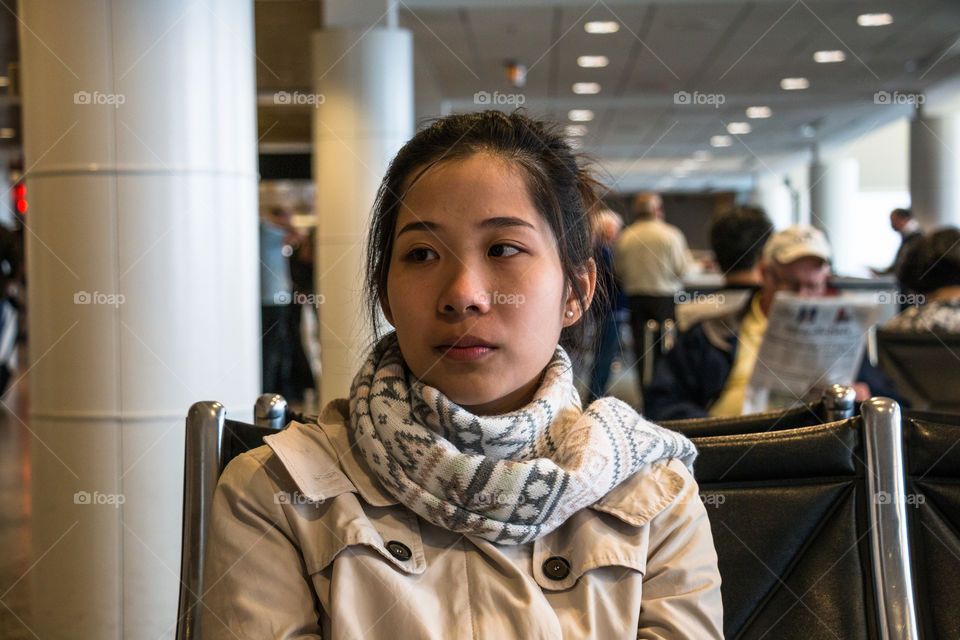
(924, 366)
(932, 466)
(808, 547)
(836, 403)
(212, 441)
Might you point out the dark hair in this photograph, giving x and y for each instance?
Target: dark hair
(738, 236)
(563, 192)
(933, 262)
(902, 213)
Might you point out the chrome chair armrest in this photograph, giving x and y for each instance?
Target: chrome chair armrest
(201, 470)
(891, 552)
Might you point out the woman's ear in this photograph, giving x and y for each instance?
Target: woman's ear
(587, 279)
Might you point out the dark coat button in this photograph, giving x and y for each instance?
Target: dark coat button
(556, 568)
(399, 550)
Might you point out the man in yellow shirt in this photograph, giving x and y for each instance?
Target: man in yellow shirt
(707, 372)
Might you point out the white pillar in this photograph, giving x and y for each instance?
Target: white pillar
(7, 216)
(365, 116)
(772, 195)
(834, 185)
(935, 170)
(140, 130)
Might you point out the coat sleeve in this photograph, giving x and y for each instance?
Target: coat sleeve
(681, 586)
(255, 580)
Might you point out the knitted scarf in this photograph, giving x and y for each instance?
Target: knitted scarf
(509, 478)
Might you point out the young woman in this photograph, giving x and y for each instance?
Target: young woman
(461, 491)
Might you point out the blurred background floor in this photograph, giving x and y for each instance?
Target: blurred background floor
(15, 442)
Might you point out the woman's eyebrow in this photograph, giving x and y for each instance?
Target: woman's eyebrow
(419, 225)
(497, 222)
(506, 221)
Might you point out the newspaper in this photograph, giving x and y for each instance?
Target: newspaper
(809, 344)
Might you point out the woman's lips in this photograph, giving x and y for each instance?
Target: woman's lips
(466, 350)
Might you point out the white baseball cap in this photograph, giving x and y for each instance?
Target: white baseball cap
(798, 241)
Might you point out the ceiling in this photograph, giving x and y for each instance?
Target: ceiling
(733, 49)
(729, 50)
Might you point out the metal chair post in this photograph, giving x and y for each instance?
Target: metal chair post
(201, 471)
(838, 403)
(891, 552)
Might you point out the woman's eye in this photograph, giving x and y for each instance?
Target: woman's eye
(503, 251)
(421, 254)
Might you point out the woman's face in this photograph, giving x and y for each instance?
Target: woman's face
(475, 287)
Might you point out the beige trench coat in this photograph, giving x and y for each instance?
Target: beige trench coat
(302, 546)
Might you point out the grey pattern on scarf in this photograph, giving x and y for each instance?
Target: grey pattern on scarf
(509, 478)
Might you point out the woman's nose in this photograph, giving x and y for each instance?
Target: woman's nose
(464, 293)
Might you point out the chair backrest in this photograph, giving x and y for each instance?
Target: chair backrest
(212, 441)
(793, 516)
(836, 403)
(924, 366)
(932, 465)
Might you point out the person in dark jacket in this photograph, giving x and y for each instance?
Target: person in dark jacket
(707, 371)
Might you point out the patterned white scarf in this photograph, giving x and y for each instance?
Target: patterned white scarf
(509, 478)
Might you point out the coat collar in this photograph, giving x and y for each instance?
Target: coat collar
(323, 462)
(643, 495)
(316, 454)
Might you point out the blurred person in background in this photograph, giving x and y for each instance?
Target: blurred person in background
(650, 260)
(903, 222)
(709, 368)
(606, 227)
(931, 272)
(737, 238)
(276, 296)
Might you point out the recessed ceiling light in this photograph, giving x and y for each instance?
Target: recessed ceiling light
(874, 19)
(792, 84)
(7, 132)
(738, 128)
(586, 87)
(575, 130)
(593, 62)
(759, 112)
(599, 26)
(829, 56)
(721, 141)
(580, 115)
(702, 155)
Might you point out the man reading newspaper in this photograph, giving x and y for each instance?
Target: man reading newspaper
(816, 341)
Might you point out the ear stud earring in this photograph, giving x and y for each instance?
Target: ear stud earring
(569, 313)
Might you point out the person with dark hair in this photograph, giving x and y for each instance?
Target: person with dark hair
(737, 238)
(931, 271)
(903, 222)
(461, 482)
